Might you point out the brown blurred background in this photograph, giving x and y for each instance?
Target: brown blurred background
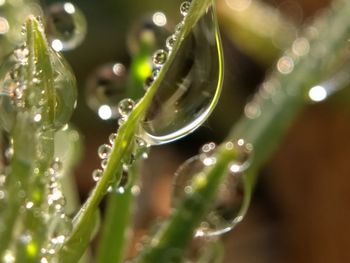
(301, 206)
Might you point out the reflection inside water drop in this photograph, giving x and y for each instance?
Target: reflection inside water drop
(66, 26)
(190, 88)
(105, 88)
(228, 208)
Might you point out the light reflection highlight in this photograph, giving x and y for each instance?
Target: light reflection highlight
(318, 93)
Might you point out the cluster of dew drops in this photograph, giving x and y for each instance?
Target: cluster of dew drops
(126, 105)
(53, 214)
(107, 84)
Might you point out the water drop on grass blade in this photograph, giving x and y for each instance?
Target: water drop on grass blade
(190, 88)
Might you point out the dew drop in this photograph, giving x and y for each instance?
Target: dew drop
(105, 88)
(190, 88)
(185, 7)
(150, 29)
(66, 26)
(21, 54)
(112, 138)
(125, 107)
(12, 86)
(148, 82)
(160, 57)
(227, 210)
(170, 42)
(124, 180)
(97, 174)
(104, 163)
(244, 154)
(104, 151)
(66, 91)
(56, 165)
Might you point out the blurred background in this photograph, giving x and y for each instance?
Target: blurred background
(301, 206)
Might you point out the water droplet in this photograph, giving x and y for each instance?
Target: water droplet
(66, 91)
(56, 165)
(185, 7)
(148, 82)
(318, 93)
(227, 210)
(151, 30)
(170, 42)
(12, 86)
(104, 151)
(66, 26)
(9, 153)
(160, 57)
(97, 174)
(105, 88)
(125, 107)
(244, 155)
(124, 180)
(112, 138)
(21, 54)
(104, 163)
(179, 27)
(190, 88)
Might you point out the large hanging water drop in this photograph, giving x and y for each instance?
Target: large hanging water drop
(66, 26)
(228, 208)
(66, 91)
(191, 86)
(106, 87)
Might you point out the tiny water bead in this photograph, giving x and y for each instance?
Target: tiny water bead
(185, 7)
(244, 155)
(125, 107)
(190, 88)
(97, 174)
(105, 88)
(104, 151)
(112, 138)
(160, 57)
(228, 208)
(170, 42)
(66, 26)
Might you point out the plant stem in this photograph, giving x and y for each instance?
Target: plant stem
(118, 220)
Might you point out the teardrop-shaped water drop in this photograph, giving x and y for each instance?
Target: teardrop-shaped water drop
(65, 88)
(228, 208)
(105, 88)
(191, 86)
(66, 26)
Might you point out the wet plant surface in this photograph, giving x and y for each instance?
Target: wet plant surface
(167, 91)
